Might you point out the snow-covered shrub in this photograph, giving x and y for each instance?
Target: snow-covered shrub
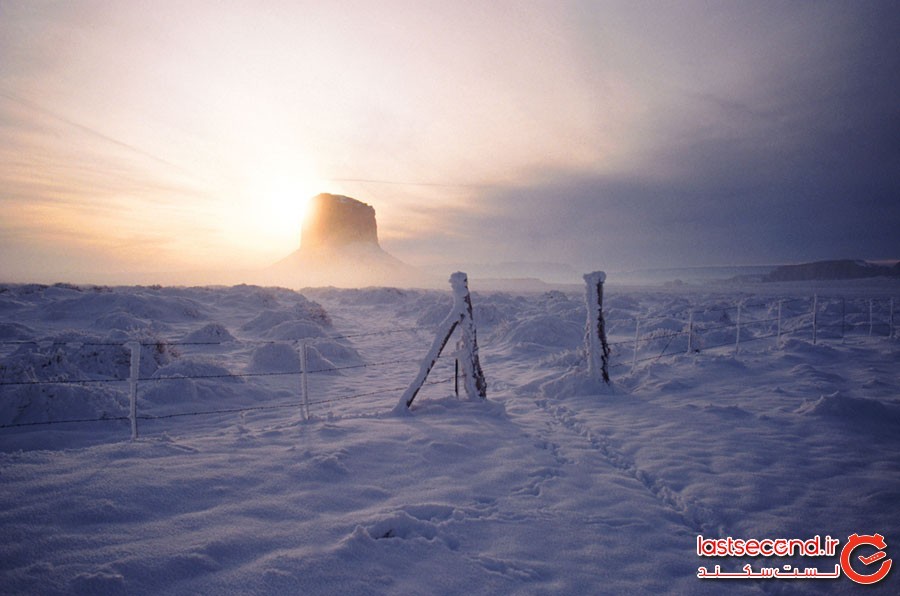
(274, 358)
(211, 333)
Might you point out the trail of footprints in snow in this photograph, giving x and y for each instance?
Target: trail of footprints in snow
(696, 517)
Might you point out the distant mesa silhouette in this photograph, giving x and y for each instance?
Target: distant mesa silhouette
(335, 221)
(339, 247)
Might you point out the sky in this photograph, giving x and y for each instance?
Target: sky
(144, 136)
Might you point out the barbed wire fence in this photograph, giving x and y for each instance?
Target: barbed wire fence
(321, 389)
(696, 330)
(312, 385)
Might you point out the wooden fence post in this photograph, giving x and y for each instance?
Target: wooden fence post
(595, 337)
(460, 314)
(473, 376)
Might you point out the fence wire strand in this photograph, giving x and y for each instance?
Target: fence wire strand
(156, 343)
(695, 331)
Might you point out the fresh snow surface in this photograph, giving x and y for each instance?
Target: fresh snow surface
(554, 485)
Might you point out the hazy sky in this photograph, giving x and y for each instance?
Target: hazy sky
(155, 135)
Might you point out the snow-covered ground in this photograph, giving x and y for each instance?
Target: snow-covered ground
(555, 485)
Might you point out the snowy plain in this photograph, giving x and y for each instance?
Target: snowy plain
(555, 485)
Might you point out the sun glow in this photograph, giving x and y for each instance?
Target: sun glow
(270, 212)
(286, 196)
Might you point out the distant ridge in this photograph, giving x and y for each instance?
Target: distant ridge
(830, 270)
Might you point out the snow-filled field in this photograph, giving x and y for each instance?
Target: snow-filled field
(748, 427)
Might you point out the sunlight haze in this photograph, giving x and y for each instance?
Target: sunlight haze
(187, 137)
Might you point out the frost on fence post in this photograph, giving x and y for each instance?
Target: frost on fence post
(473, 376)
(595, 338)
(460, 315)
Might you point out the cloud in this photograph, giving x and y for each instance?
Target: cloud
(638, 133)
(762, 134)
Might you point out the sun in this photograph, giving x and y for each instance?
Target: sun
(269, 212)
(288, 196)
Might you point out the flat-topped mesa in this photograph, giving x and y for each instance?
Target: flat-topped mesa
(339, 247)
(336, 221)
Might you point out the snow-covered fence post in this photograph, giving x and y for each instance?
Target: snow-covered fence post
(304, 381)
(134, 373)
(473, 376)
(460, 314)
(595, 338)
(737, 333)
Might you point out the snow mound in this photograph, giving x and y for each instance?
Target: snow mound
(573, 383)
(321, 357)
(309, 314)
(274, 358)
(28, 404)
(542, 331)
(121, 321)
(375, 296)
(324, 352)
(141, 303)
(434, 314)
(211, 333)
(190, 383)
(293, 330)
(196, 368)
(76, 356)
(854, 410)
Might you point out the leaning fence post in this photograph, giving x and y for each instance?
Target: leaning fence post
(595, 338)
(304, 382)
(460, 314)
(134, 373)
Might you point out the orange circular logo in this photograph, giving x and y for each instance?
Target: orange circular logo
(855, 541)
